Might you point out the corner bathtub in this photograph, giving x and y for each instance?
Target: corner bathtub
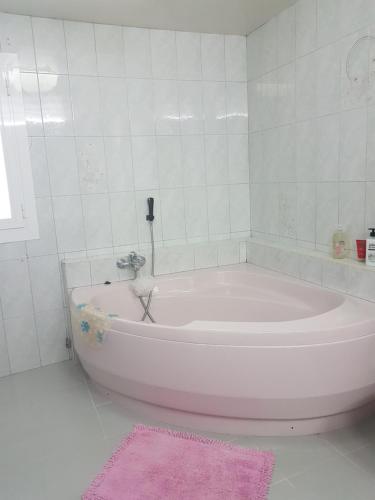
(235, 349)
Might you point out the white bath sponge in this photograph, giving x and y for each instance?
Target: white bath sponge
(143, 286)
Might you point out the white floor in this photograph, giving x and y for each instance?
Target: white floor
(56, 432)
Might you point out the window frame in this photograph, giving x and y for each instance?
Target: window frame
(23, 224)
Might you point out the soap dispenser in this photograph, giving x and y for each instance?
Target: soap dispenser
(370, 248)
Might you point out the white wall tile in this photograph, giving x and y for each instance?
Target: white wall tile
(269, 45)
(329, 21)
(218, 210)
(80, 47)
(189, 63)
(119, 164)
(145, 163)
(239, 206)
(52, 330)
(173, 213)
(104, 269)
(335, 276)
(254, 60)
(370, 167)
(196, 211)
(11, 251)
(16, 36)
(91, 164)
(356, 14)
(191, 107)
(31, 102)
(264, 200)
(229, 253)
(286, 36)
(214, 102)
(49, 39)
(45, 282)
(271, 139)
(169, 161)
(306, 150)
(46, 243)
(141, 107)
(124, 218)
(56, 107)
(236, 108)
(353, 145)
(114, 107)
(238, 161)
(39, 166)
(77, 274)
(97, 220)
(137, 52)
(69, 223)
(163, 54)
(213, 57)
(328, 148)
(352, 210)
(235, 58)
(306, 211)
(306, 26)
(328, 79)
(193, 164)
(327, 211)
(86, 105)
(287, 154)
(288, 210)
(110, 54)
(216, 160)
(286, 105)
(15, 291)
(22, 343)
(167, 114)
(206, 256)
(306, 86)
(62, 165)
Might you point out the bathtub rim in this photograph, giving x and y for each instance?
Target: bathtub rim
(298, 332)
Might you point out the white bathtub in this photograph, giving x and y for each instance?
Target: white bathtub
(236, 349)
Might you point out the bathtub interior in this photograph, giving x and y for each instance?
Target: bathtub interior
(220, 295)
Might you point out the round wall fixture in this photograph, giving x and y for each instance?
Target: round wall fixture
(360, 61)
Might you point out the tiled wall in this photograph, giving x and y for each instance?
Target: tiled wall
(312, 122)
(342, 275)
(116, 115)
(96, 270)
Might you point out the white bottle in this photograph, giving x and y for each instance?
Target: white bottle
(339, 244)
(370, 248)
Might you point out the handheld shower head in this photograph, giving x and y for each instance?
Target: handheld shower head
(150, 216)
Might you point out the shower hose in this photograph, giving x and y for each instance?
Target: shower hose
(146, 306)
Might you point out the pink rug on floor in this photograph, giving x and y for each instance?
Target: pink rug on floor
(160, 464)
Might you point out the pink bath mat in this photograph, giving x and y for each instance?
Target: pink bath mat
(159, 464)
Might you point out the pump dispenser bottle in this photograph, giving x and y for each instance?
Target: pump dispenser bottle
(370, 248)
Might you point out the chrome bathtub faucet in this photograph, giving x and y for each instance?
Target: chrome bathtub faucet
(133, 261)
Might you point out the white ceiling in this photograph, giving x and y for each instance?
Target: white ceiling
(211, 16)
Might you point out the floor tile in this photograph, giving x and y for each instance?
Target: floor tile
(295, 454)
(281, 491)
(57, 430)
(365, 459)
(335, 479)
(352, 438)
